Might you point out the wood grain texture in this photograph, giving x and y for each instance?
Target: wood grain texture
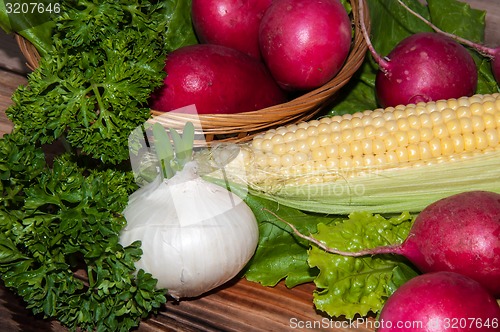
(238, 306)
(8, 83)
(11, 57)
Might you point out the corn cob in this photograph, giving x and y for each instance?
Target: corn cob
(384, 160)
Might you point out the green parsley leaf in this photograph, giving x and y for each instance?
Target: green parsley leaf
(92, 87)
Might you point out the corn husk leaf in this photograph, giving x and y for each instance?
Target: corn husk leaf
(387, 191)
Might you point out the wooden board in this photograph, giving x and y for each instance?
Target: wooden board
(238, 306)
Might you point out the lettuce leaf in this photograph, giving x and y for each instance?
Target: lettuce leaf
(348, 286)
(280, 255)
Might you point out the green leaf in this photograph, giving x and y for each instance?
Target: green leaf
(280, 254)
(348, 286)
(34, 25)
(184, 145)
(9, 253)
(391, 23)
(455, 17)
(93, 90)
(181, 31)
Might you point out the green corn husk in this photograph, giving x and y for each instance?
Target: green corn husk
(387, 191)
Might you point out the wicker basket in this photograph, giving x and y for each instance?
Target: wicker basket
(243, 126)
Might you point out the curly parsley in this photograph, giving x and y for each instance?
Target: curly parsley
(60, 216)
(92, 87)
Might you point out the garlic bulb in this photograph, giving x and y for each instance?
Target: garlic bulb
(195, 235)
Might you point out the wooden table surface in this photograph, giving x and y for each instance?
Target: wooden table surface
(238, 306)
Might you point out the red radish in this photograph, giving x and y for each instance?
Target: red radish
(305, 42)
(425, 67)
(231, 23)
(437, 302)
(217, 79)
(493, 53)
(459, 233)
(421, 68)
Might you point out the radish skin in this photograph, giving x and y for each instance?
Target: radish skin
(217, 79)
(440, 301)
(304, 43)
(231, 23)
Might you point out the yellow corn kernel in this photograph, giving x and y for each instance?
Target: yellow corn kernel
(426, 134)
(403, 124)
(324, 139)
(481, 141)
(402, 154)
(356, 148)
(436, 118)
(318, 154)
(492, 137)
(424, 150)
(453, 126)
(390, 143)
(344, 150)
(489, 121)
(370, 130)
(477, 123)
(299, 158)
(347, 135)
(402, 138)
(266, 145)
(312, 142)
(287, 160)
(300, 133)
(413, 152)
(312, 131)
(289, 137)
(435, 147)
(415, 134)
(334, 126)
(414, 121)
(463, 111)
(332, 151)
(458, 143)
(376, 146)
(279, 149)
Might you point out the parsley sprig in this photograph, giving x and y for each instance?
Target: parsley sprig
(93, 86)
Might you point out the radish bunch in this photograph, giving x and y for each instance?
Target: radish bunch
(304, 43)
(454, 241)
(253, 53)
